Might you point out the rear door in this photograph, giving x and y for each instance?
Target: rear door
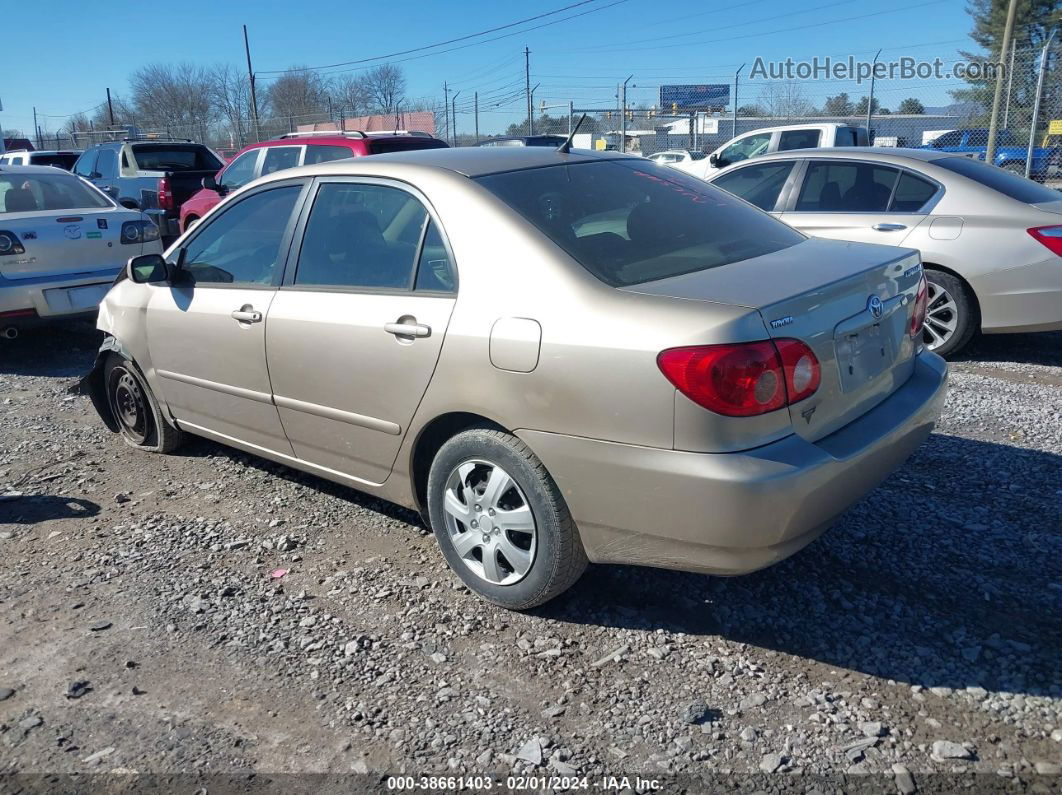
(206, 331)
(859, 200)
(354, 334)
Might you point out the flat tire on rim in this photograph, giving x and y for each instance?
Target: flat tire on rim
(134, 409)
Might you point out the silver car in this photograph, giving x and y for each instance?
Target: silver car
(991, 241)
(553, 356)
(62, 242)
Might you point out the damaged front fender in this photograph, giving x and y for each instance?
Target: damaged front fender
(92, 384)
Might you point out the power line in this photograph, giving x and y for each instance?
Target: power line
(433, 46)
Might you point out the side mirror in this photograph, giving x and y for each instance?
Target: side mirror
(111, 190)
(148, 269)
(714, 159)
(210, 183)
(128, 202)
(95, 175)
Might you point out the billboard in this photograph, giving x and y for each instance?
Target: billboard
(693, 97)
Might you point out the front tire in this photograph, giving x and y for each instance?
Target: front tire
(501, 521)
(951, 314)
(140, 421)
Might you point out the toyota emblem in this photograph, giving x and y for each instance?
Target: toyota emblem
(875, 307)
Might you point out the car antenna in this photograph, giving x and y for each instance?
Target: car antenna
(566, 147)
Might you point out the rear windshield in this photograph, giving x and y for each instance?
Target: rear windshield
(1019, 188)
(21, 193)
(175, 157)
(631, 221)
(403, 143)
(60, 159)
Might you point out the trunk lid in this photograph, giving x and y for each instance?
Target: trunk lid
(65, 242)
(822, 292)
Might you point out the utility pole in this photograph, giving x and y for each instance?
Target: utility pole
(870, 99)
(36, 128)
(993, 124)
(446, 108)
(110, 107)
(250, 78)
(527, 88)
(454, 105)
(329, 107)
(733, 126)
(571, 112)
(477, 115)
(1036, 103)
(531, 127)
(623, 114)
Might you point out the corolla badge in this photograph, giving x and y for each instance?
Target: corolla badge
(73, 232)
(875, 307)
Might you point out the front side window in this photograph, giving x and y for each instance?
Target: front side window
(953, 138)
(758, 184)
(747, 147)
(846, 187)
(361, 236)
(242, 244)
(628, 222)
(86, 164)
(20, 193)
(240, 171)
(277, 158)
(798, 139)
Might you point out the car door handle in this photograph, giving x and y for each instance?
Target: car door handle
(889, 227)
(408, 329)
(247, 314)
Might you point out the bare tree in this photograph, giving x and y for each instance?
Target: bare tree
(174, 97)
(297, 92)
(785, 100)
(231, 98)
(352, 95)
(387, 87)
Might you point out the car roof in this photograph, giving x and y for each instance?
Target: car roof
(8, 169)
(471, 161)
(858, 152)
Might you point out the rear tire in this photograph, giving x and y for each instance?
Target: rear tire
(501, 521)
(951, 315)
(140, 421)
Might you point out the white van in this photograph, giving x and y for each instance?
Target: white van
(775, 139)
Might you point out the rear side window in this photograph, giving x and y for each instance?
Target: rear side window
(107, 165)
(629, 222)
(322, 153)
(434, 270)
(1019, 188)
(757, 184)
(277, 158)
(798, 139)
(849, 136)
(175, 157)
(846, 187)
(912, 193)
(362, 236)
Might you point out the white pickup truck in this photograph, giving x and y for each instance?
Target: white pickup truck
(774, 139)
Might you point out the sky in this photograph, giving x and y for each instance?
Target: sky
(577, 55)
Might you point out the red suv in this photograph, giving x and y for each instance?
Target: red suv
(296, 149)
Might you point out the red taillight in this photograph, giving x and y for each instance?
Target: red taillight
(18, 313)
(165, 196)
(918, 313)
(743, 379)
(1050, 236)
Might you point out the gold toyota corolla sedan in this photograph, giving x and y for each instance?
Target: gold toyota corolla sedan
(554, 356)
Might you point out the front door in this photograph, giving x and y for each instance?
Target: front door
(861, 201)
(354, 334)
(206, 331)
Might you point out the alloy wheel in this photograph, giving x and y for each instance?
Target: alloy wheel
(489, 522)
(942, 317)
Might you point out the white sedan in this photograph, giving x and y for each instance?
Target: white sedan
(680, 158)
(62, 242)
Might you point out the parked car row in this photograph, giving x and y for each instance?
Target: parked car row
(60, 158)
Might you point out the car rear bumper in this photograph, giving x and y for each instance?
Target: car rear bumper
(732, 513)
(1022, 299)
(53, 297)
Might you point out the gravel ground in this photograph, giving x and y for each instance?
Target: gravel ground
(213, 614)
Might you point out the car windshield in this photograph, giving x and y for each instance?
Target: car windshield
(175, 157)
(629, 221)
(21, 193)
(63, 160)
(1024, 190)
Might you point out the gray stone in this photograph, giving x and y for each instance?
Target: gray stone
(531, 751)
(694, 712)
(6, 693)
(904, 780)
(1048, 768)
(770, 762)
(946, 749)
(872, 729)
(753, 701)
